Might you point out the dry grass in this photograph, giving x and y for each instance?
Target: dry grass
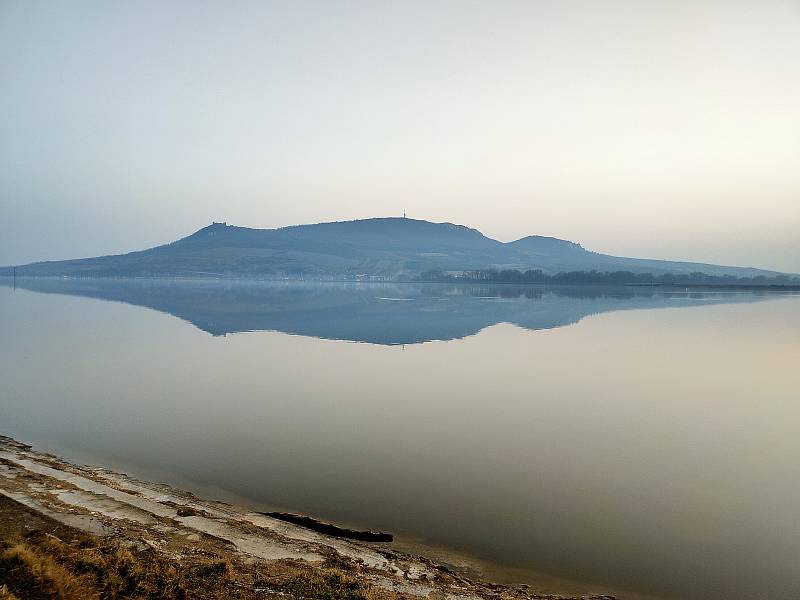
(326, 584)
(45, 567)
(43, 560)
(5, 594)
(30, 573)
(50, 568)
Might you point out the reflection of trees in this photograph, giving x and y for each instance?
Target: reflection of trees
(603, 278)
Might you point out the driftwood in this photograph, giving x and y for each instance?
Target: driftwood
(330, 529)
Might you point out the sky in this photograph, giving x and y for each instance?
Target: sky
(665, 129)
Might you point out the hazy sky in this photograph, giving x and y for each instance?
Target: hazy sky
(663, 129)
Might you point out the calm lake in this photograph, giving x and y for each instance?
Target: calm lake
(631, 438)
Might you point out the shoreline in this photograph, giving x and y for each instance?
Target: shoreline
(175, 523)
(747, 287)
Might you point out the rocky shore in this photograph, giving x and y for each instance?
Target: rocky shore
(69, 531)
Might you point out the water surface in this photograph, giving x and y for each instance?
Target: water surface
(634, 438)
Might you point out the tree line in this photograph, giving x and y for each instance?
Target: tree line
(602, 277)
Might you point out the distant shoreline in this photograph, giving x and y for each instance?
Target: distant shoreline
(664, 286)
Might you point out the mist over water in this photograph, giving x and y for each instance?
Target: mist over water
(629, 438)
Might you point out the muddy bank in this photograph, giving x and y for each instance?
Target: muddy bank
(172, 540)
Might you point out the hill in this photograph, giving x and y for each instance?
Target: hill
(385, 248)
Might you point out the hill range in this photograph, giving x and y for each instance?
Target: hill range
(391, 248)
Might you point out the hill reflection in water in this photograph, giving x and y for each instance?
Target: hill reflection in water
(387, 314)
